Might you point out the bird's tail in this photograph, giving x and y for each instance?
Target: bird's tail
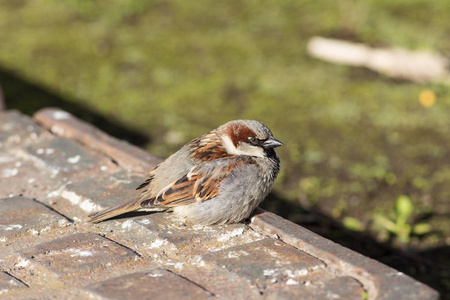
(113, 211)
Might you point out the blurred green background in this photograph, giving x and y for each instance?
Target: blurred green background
(364, 162)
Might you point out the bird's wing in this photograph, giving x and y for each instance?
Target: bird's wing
(201, 183)
(150, 177)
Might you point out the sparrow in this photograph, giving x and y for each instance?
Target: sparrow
(218, 178)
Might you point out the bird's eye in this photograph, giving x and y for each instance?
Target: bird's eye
(253, 140)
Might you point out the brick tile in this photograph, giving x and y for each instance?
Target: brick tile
(74, 254)
(337, 288)
(77, 198)
(17, 129)
(343, 287)
(379, 280)
(187, 239)
(156, 283)
(107, 189)
(270, 269)
(265, 261)
(22, 216)
(220, 281)
(59, 155)
(66, 125)
(83, 192)
(22, 177)
(9, 283)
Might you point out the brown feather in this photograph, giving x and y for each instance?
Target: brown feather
(239, 133)
(208, 148)
(112, 211)
(197, 185)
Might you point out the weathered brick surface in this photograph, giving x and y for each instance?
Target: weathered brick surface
(64, 124)
(156, 283)
(17, 129)
(19, 176)
(379, 280)
(64, 158)
(22, 216)
(50, 179)
(105, 188)
(266, 261)
(75, 255)
(221, 282)
(179, 238)
(336, 288)
(9, 283)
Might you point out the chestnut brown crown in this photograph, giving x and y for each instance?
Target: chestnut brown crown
(247, 137)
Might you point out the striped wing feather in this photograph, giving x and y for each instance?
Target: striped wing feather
(200, 184)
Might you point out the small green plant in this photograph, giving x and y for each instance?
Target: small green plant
(364, 295)
(398, 226)
(353, 224)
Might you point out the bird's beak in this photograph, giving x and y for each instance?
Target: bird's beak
(272, 143)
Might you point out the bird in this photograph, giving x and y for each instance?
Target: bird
(217, 178)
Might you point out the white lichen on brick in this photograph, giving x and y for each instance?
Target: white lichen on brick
(82, 253)
(303, 272)
(10, 172)
(55, 193)
(62, 223)
(74, 159)
(295, 273)
(178, 265)
(157, 243)
(269, 272)
(144, 221)
(12, 226)
(58, 130)
(225, 237)
(127, 224)
(271, 252)
(238, 253)
(60, 115)
(73, 198)
(85, 204)
(89, 206)
(292, 282)
(22, 263)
